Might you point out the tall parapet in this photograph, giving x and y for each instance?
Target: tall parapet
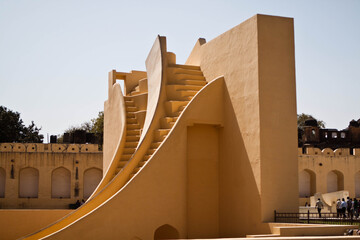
(213, 153)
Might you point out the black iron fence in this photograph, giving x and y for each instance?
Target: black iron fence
(314, 218)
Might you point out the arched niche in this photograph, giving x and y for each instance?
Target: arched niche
(61, 183)
(2, 182)
(28, 183)
(307, 183)
(166, 231)
(92, 178)
(335, 181)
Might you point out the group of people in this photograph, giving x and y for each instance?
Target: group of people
(344, 209)
(348, 208)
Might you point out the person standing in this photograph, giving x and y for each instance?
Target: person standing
(319, 205)
(349, 207)
(343, 208)
(356, 208)
(338, 208)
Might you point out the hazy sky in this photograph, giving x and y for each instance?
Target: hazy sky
(55, 55)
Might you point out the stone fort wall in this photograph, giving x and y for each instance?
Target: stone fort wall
(329, 170)
(36, 175)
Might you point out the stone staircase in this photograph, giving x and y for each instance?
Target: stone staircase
(140, 88)
(132, 134)
(183, 82)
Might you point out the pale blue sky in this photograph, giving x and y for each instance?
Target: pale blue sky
(55, 55)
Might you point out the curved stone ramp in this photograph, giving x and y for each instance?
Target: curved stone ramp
(155, 196)
(116, 184)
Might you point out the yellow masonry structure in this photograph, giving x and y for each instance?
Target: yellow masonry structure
(207, 149)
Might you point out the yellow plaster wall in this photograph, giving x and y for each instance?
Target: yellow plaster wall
(203, 180)
(45, 163)
(257, 61)
(278, 121)
(322, 162)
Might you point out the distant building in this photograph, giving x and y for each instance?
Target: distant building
(47, 175)
(313, 136)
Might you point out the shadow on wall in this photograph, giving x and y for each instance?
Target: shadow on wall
(239, 195)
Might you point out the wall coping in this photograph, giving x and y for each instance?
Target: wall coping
(339, 152)
(50, 147)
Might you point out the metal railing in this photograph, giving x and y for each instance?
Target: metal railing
(314, 218)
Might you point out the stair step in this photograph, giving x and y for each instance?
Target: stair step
(130, 103)
(125, 157)
(176, 70)
(188, 77)
(173, 106)
(121, 164)
(177, 93)
(192, 67)
(133, 132)
(182, 108)
(134, 93)
(133, 126)
(189, 82)
(137, 169)
(151, 151)
(117, 170)
(161, 134)
(133, 138)
(141, 163)
(166, 124)
(130, 115)
(147, 157)
(131, 109)
(174, 114)
(131, 121)
(155, 144)
(181, 87)
(131, 144)
(128, 98)
(129, 150)
(186, 93)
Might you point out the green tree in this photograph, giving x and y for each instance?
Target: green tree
(12, 128)
(301, 118)
(97, 127)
